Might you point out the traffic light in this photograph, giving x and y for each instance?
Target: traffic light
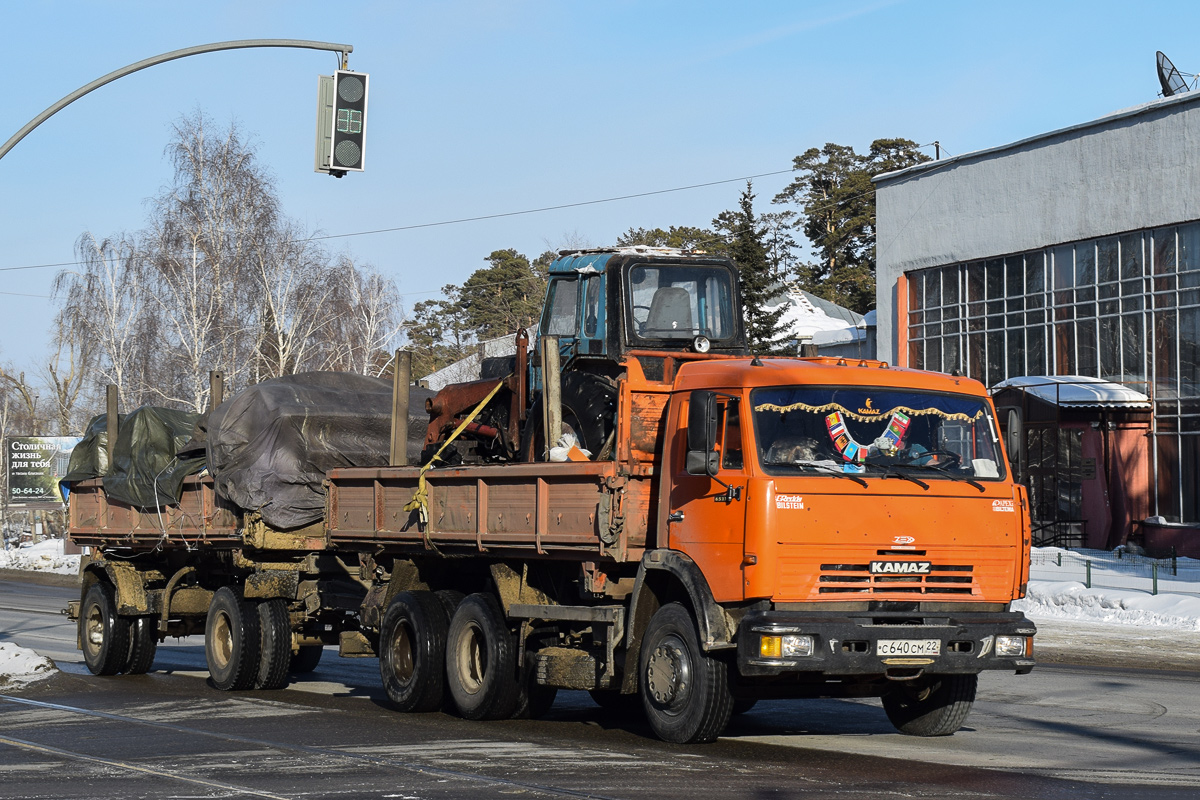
(341, 122)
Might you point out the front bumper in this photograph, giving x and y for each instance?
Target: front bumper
(847, 643)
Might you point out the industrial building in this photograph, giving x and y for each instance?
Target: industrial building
(1069, 261)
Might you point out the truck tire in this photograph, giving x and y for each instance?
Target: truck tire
(412, 651)
(685, 691)
(935, 705)
(450, 598)
(103, 634)
(143, 644)
(275, 646)
(306, 659)
(232, 641)
(481, 660)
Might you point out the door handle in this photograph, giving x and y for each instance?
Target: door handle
(675, 516)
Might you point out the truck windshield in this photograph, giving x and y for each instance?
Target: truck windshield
(879, 431)
(680, 302)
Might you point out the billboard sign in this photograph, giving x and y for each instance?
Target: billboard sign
(34, 466)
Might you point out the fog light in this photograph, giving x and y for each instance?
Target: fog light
(797, 646)
(1009, 646)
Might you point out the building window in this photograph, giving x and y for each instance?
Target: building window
(1123, 308)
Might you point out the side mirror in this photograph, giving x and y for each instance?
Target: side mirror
(1016, 436)
(702, 458)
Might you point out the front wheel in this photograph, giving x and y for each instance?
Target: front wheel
(103, 634)
(685, 691)
(934, 705)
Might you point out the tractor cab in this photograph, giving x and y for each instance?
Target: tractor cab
(601, 304)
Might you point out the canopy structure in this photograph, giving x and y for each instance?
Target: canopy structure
(1077, 391)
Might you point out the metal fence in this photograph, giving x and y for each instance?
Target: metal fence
(1117, 570)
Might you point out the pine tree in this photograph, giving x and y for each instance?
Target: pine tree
(837, 214)
(759, 282)
(502, 297)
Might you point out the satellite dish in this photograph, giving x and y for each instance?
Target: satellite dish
(1171, 79)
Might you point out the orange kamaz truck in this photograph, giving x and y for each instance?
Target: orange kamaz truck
(643, 510)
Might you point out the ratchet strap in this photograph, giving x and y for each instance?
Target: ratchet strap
(420, 498)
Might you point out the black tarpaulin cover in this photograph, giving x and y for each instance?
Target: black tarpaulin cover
(270, 445)
(146, 471)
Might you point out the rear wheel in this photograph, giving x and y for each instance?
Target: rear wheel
(306, 659)
(103, 634)
(481, 662)
(275, 647)
(934, 705)
(232, 641)
(684, 690)
(412, 651)
(143, 644)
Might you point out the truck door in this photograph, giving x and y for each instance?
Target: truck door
(706, 520)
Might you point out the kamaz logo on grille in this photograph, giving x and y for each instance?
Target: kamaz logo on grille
(900, 567)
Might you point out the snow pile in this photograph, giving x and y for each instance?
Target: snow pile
(46, 556)
(19, 666)
(1072, 601)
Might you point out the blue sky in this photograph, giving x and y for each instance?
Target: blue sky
(481, 108)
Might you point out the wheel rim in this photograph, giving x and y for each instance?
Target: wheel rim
(401, 652)
(471, 661)
(222, 639)
(93, 634)
(669, 674)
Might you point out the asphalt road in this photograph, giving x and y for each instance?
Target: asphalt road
(1066, 731)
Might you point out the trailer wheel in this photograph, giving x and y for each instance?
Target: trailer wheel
(936, 705)
(103, 633)
(143, 644)
(232, 641)
(412, 651)
(481, 660)
(306, 659)
(275, 649)
(685, 691)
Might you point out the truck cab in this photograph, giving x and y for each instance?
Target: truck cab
(860, 519)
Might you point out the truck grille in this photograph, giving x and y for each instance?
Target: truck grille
(942, 579)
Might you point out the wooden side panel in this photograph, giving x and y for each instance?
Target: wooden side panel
(200, 518)
(547, 509)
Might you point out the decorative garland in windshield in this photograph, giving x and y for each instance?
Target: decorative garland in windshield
(838, 407)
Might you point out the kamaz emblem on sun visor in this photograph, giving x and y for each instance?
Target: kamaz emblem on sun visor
(900, 567)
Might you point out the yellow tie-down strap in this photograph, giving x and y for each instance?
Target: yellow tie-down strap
(420, 498)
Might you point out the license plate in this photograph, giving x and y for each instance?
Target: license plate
(909, 647)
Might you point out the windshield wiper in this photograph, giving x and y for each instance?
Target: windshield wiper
(828, 471)
(891, 472)
(945, 471)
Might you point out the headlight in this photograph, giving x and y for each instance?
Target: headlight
(1009, 646)
(785, 646)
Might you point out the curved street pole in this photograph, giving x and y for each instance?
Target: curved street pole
(343, 49)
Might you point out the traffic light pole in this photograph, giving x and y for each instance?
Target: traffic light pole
(343, 49)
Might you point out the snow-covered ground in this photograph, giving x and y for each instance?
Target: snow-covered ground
(45, 556)
(20, 666)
